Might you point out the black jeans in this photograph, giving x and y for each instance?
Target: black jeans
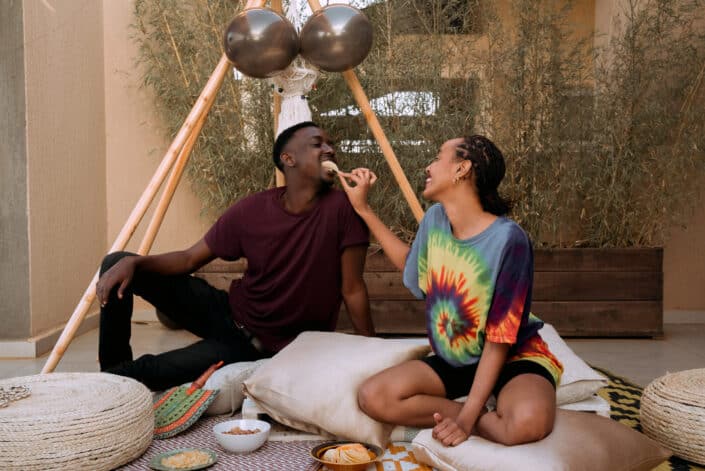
(190, 302)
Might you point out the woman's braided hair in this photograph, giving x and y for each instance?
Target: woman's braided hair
(488, 164)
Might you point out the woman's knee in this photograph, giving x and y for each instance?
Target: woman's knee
(371, 398)
(111, 259)
(529, 424)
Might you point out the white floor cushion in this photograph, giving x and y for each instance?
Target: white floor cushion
(312, 383)
(228, 380)
(579, 442)
(579, 381)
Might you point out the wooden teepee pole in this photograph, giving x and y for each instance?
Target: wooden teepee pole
(280, 180)
(173, 182)
(200, 108)
(372, 121)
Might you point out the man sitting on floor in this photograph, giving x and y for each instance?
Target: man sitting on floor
(305, 248)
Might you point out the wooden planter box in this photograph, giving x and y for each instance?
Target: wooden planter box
(582, 292)
(600, 292)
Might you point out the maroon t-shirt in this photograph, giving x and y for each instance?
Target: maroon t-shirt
(293, 278)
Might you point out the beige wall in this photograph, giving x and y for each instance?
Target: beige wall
(92, 144)
(684, 265)
(605, 11)
(136, 143)
(65, 153)
(683, 257)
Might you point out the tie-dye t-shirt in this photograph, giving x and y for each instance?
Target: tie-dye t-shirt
(476, 289)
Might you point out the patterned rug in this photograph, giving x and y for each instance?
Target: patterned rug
(274, 455)
(287, 453)
(625, 399)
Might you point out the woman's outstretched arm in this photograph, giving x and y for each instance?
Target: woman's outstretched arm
(363, 178)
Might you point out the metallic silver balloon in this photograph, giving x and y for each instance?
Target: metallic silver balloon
(336, 38)
(261, 42)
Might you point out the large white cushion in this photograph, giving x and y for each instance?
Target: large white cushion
(312, 383)
(228, 380)
(579, 441)
(578, 381)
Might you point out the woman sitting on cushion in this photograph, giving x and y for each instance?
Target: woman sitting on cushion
(474, 268)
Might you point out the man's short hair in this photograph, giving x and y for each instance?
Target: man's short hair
(284, 137)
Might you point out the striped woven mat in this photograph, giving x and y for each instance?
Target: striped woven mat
(278, 454)
(274, 455)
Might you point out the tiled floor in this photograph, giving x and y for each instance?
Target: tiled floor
(640, 360)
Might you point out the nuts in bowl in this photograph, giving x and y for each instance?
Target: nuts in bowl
(241, 435)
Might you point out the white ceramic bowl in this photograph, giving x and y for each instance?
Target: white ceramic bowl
(241, 443)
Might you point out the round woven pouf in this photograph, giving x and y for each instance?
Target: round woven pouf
(92, 421)
(673, 413)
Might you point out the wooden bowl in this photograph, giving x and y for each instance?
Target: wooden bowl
(318, 451)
